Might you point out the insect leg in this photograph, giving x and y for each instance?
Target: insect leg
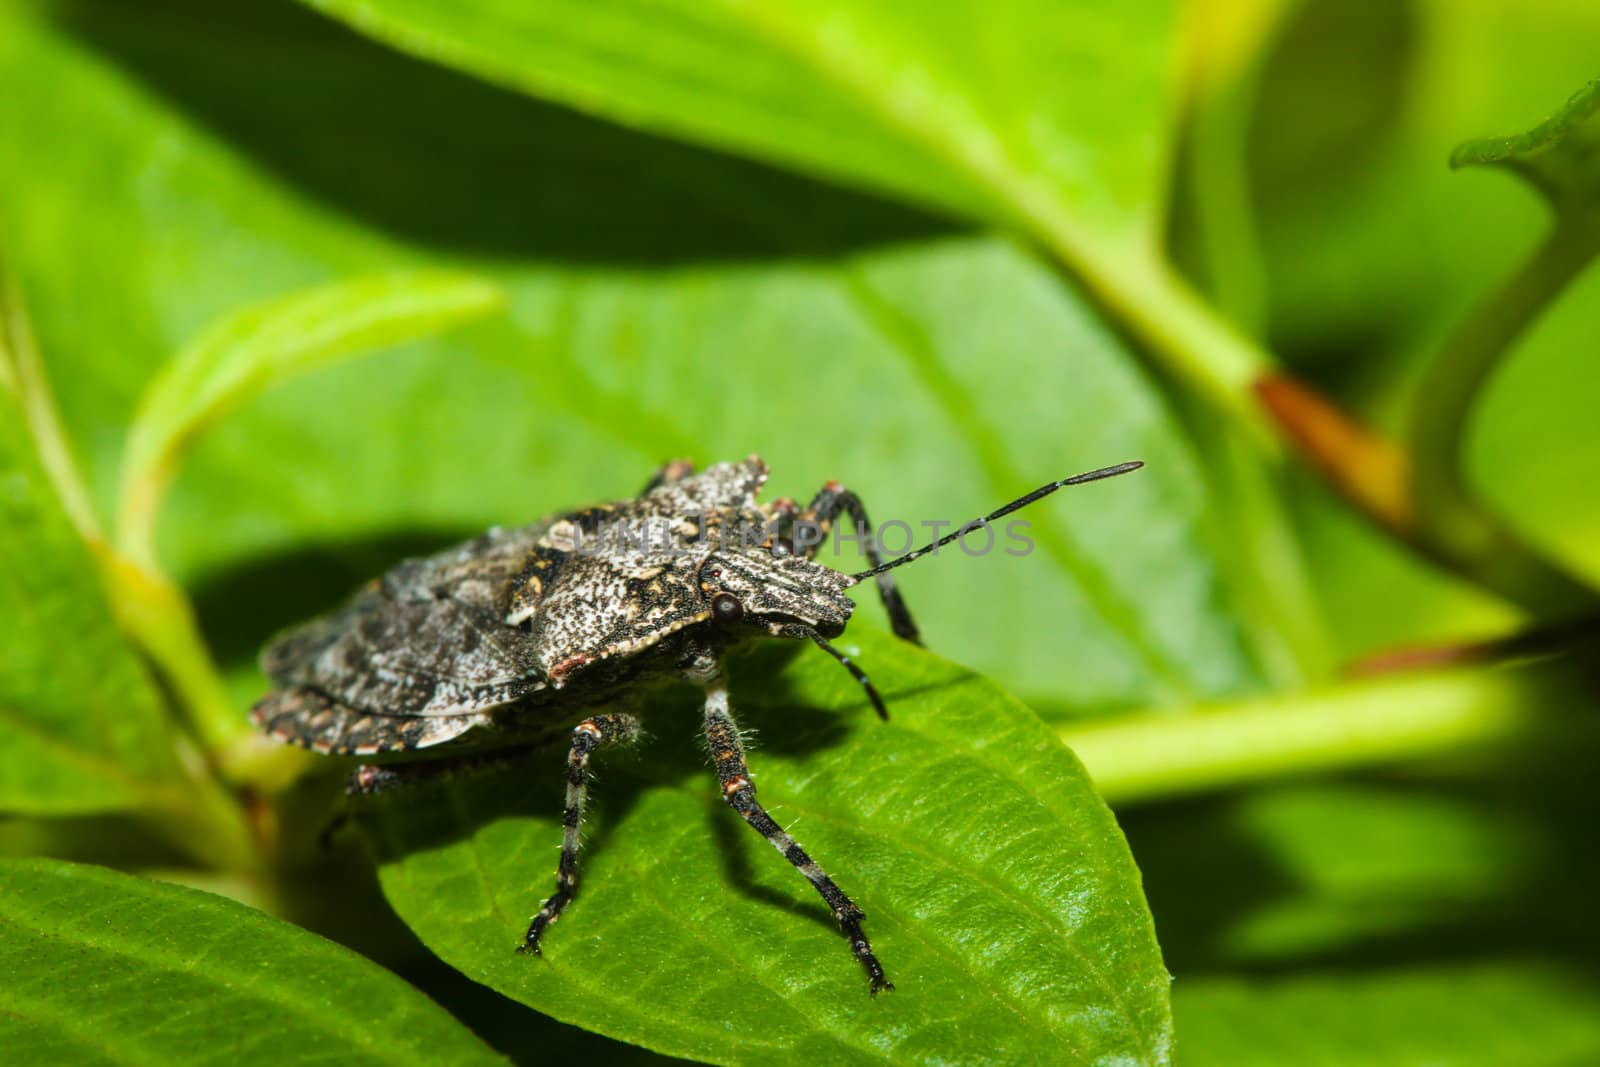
(586, 737)
(671, 471)
(825, 507)
(727, 751)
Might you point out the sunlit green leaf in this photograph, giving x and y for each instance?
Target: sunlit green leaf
(1025, 109)
(1051, 119)
(106, 968)
(999, 893)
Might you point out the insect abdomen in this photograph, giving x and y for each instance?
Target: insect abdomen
(310, 719)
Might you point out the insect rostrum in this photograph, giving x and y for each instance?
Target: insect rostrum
(503, 641)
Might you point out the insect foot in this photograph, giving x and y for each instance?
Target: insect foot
(850, 923)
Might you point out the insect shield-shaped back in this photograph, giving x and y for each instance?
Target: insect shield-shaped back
(580, 608)
(770, 591)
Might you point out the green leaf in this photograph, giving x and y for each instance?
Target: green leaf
(1049, 118)
(999, 892)
(81, 727)
(1031, 108)
(1560, 156)
(1387, 921)
(260, 347)
(104, 967)
(662, 302)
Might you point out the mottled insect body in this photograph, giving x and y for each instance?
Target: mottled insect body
(504, 640)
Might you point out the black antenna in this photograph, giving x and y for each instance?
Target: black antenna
(1020, 502)
(856, 672)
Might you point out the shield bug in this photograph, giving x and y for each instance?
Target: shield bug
(503, 641)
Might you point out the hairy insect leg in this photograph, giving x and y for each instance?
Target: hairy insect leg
(727, 751)
(829, 503)
(674, 470)
(586, 737)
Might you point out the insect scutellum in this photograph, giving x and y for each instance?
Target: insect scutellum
(500, 642)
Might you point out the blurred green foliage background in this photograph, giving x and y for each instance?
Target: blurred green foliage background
(942, 253)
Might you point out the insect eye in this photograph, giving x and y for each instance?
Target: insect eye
(726, 608)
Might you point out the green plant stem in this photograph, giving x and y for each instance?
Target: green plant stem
(1449, 526)
(1191, 340)
(149, 608)
(1143, 293)
(197, 815)
(1445, 504)
(1199, 345)
(156, 613)
(209, 826)
(1357, 724)
(138, 505)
